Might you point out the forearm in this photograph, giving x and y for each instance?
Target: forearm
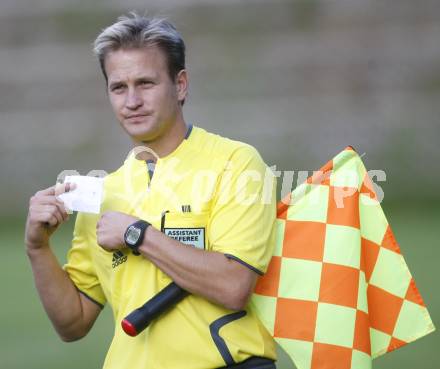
(59, 297)
(206, 273)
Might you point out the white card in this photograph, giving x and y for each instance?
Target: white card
(87, 195)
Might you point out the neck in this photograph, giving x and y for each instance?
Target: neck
(164, 144)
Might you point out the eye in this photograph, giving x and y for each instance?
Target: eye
(117, 88)
(146, 83)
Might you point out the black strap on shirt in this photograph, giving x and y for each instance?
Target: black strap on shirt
(253, 362)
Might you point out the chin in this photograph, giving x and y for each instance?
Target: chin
(141, 132)
(143, 135)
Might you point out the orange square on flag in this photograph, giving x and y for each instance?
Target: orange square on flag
(389, 241)
(282, 207)
(369, 254)
(343, 206)
(383, 309)
(295, 319)
(339, 285)
(367, 188)
(362, 333)
(330, 356)
(395, 344)
(413, 295)
(304, 240)
(268, 283)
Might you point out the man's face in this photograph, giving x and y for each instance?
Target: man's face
(145, 99)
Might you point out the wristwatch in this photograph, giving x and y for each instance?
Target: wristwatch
(134, 235)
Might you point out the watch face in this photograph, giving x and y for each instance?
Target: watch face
(133, 234)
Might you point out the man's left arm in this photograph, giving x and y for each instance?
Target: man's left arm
(207, 273)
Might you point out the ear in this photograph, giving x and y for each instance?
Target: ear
(182, 85)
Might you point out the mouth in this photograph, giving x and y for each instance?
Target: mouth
(134, 118)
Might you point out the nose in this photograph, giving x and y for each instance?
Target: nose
(133, 100)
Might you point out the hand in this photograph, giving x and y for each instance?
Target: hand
(111, 228)
(46, 213)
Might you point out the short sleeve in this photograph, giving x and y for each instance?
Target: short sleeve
(79, 264)
(242, 221)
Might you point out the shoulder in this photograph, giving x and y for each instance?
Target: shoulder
(120, 184)
(112, 176)
(221, 148)
(118, 176)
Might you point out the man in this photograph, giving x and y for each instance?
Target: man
(201, 218)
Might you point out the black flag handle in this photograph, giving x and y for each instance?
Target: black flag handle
(139, 319)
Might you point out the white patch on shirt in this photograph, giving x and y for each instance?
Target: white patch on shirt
(189, 236)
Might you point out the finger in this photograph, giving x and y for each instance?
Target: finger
(64, 210)
(64, 187)
(40, 204)
(53, 222)
(57, 211)
(99, 238)
(58, 214)
(59, 189)
(70, 186)
(51, 200)
(53, 209)
(46, 218)
(45, 200)
(47, 191)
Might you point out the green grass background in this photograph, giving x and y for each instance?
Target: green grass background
(27, 340)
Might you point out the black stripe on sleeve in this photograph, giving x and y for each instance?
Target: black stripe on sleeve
(229, 256)
(90, 298)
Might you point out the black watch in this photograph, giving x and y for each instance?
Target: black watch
(134, 235)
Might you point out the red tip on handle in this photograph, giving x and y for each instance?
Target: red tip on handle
(129, 328)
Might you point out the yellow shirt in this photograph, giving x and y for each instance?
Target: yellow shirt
(213, 193)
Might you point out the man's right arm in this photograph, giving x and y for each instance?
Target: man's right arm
(72, 314)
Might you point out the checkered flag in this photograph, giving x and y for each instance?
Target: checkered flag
(337, 292)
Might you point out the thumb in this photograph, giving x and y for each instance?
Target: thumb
(64, 187)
